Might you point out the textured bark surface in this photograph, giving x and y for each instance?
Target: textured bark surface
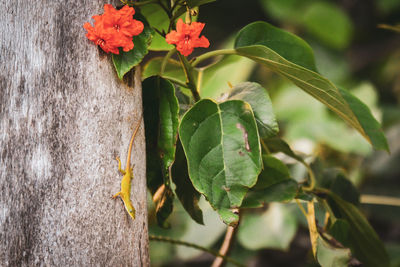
(64, 117)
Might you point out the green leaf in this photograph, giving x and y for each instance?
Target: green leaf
(125, 61)
(160, 109)
(340, 101)
(329, 256)
(259, 100)
(283, 191)
(291, 57)
(274, 182)
(340, 231)
(275, 228)
(158, 19)
(287, 45)
(173, 70)
(185, 191)
(276, 144)
(368, 123)
(329, 24)
(345, 189)
(213, 79)
(222, 147)
(228, 216)
(364, 242)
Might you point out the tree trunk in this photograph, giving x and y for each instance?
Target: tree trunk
(64, 117)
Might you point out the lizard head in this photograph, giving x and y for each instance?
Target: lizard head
(130, 209)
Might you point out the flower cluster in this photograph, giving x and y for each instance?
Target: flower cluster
(114, 29)
(186, 37)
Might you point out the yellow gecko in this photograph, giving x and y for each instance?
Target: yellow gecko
(125, 192)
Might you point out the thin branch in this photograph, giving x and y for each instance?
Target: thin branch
(226, 245)
(311, 176)
(187, 244)
(213, 54)
(189, 76)
(165, 60)
(380, 200)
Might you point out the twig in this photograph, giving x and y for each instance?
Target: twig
(226, 245)
(380, 200)
(187, 244)
(189, 76)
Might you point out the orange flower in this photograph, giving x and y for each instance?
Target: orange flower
(122, 23)
(114, 28)
(186, 37)
(101, 37)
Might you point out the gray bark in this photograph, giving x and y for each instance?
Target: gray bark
(64, 117)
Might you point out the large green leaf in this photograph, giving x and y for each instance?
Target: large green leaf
(364, 242)
(340, 101)
(287, 45)
(291, 57)
(125, 61)
(222, 147)
(160, 109)
(185, 191)
(259, 100)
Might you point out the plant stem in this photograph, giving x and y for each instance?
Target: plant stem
(265, 146)
(230, 232)
(311, 176)
(213, 54)
(380, 200)
(189, 76)
(187, 244)
(165, 60)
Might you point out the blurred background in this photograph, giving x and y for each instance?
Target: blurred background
(353, 52)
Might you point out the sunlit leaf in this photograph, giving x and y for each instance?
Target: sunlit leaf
(274, 48)
(287, 45)
(222, 147)
(259, 100)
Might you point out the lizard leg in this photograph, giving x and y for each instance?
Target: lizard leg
(116, 195)
(119, 166)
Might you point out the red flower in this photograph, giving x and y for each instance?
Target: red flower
(186, 37)
(114, 28)
(101, 37)
(122, 23)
